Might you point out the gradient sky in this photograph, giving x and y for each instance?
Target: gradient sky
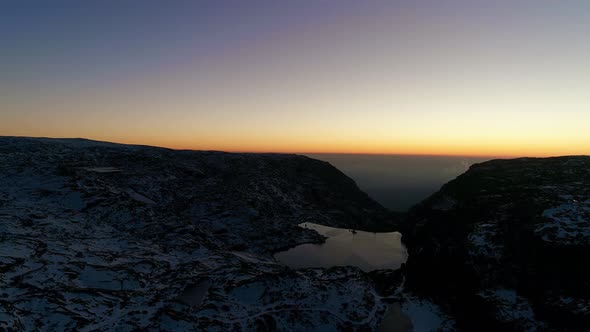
(414, 77)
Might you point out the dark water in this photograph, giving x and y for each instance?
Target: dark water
(365, 250)
(398, 182)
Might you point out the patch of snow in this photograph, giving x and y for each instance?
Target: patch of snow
(511, 308)
(102, 169)
(568, 223)
(138, 197)
(424, 315)
(483, 241)
(576, 306)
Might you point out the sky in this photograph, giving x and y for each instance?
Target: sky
(503, 78)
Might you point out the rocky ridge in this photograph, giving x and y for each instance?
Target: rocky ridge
(99, 236)
(506, 246)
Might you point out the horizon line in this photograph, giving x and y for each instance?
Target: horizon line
(491, 156)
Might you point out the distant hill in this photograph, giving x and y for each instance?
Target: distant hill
(506, 246)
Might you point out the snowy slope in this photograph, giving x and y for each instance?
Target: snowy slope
(101, 236)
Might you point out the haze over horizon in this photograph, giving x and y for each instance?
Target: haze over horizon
(502, 78)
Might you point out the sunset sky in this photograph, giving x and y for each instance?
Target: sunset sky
(469, 77)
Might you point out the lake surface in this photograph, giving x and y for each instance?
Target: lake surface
(365, 250)
(397, 181)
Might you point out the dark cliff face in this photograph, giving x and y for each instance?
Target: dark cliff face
(507, 245)
(102, 236)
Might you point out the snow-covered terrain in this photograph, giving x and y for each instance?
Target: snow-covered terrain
(98, 236)
(567, 223)
(513, 250)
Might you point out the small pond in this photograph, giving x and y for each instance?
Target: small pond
(365, 250)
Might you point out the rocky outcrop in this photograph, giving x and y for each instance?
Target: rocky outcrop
(100, 236)
(506, 246)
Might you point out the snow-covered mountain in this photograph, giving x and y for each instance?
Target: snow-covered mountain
(99, 236)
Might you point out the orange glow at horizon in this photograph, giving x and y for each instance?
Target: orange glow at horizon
(309, 146)
(433, 78)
